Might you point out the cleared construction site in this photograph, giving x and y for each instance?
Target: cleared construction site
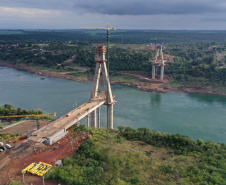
(43, 147)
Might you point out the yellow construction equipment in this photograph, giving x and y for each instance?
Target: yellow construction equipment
(39, 169)
(28, 168)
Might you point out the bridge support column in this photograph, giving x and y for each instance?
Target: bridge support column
(98, 117)
(162, 73)
(88, 120)
(158, 61)
(153, 71)
(101, 68)
(94, 119)
(110, 116)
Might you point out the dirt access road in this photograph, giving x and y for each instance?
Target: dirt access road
(24, 152)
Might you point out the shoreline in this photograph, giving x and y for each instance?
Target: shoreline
(144, 84)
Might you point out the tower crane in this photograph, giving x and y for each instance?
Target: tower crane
(108, 28)
(31, 115)
(155, 39)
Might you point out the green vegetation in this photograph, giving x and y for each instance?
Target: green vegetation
(196, 61)
(6, 136)
(196, 58)
(11, 32)
(9, 110)
(117, 36)
(142, 156)
(123, 78)
(16, 183)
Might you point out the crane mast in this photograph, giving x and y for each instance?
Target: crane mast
(108, 102)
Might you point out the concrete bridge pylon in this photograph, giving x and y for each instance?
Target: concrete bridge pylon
(158, 62)
(101, 68)
(54, 131)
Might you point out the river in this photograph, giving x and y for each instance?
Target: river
(196, 115)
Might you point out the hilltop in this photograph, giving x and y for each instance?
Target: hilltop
(142, 156)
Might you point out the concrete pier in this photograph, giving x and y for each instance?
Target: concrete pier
(153, 71)
(98, 116)
(110, 116)
(101, 68)
(158, 62)
(162, 73)
(94, 119)
(87, 124)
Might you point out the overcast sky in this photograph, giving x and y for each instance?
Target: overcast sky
(123, 14)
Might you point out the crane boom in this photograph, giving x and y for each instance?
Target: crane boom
(31, 115)
(100, 28)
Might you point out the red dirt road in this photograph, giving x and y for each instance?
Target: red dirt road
(18, 160)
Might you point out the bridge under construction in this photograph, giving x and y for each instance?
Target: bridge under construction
(59, 128)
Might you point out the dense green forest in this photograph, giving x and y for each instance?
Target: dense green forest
(142, 156)
(117, 36)
(9, 110)
(68, 55)
(195, 58)
(200, 60)
(205, 60)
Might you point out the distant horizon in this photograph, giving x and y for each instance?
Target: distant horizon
(105, 29)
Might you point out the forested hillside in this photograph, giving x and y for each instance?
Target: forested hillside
(202, 60)
(9, 110)
(117, 36)
(190, 60)
(194, 58)
(142, 156)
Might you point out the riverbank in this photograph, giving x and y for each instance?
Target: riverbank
(143, 82)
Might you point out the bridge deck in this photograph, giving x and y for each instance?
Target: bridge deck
(66, 122)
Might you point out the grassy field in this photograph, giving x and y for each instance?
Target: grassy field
(122, 78)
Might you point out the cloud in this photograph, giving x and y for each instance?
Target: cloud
(141, 14)
(217, 19)
(152, 7)
(27, 12)
(125, 7)
(39, 4)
